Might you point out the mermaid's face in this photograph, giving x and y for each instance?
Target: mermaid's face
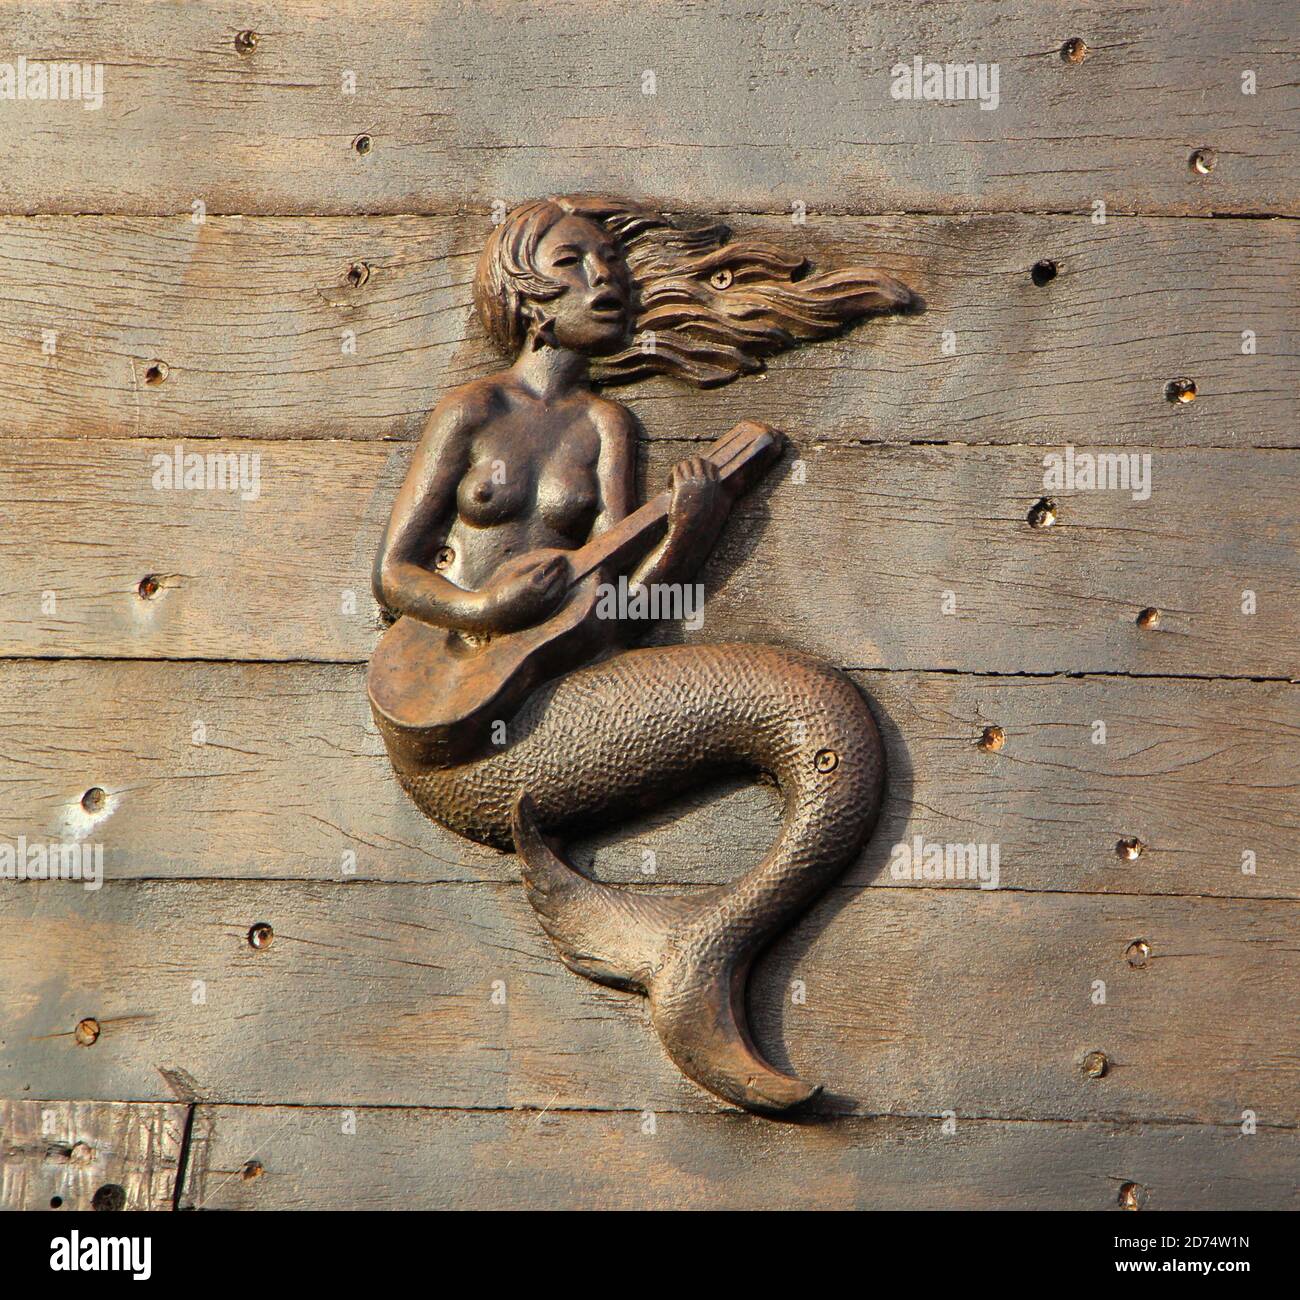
(594, 312)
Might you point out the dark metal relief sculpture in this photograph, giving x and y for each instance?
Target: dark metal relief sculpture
(511, 710)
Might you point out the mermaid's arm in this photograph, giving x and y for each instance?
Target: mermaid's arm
(696, 515)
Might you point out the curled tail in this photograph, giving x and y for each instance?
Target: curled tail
(631, 731)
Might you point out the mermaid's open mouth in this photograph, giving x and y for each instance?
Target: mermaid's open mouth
(607, 304)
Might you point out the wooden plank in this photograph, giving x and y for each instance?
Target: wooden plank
(293, 782)
(755, 108)
(81, 1155)
(250, 317)
(255, 1157)
(889, 531)
(912, 1002)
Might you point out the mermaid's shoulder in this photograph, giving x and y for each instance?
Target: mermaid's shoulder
(467, 406)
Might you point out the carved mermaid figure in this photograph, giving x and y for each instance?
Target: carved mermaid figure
(519, 499)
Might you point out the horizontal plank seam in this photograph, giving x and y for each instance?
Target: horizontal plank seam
(678, 885)
(862, 1117)
(1072, 674)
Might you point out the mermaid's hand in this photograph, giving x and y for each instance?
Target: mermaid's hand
(524, 591)
(698, 498)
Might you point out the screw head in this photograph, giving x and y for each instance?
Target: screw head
(721, 278)
(1074, 50)
(363, 144)
(246, 42)
(826, 760)
(1042, 514)
(444, 558)
(1130, 848)
(1095, 1065)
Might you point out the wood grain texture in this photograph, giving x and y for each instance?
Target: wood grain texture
(58, 1154)
(754, 107)
(887, 532)
(520, 1160)
(912, 1002)
(292, 781)
(252, 317)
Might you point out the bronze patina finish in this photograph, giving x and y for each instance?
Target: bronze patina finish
(510, 709)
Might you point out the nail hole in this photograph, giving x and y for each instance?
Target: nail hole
(1148, 618)
(1130, 848)
(1042, 514)
(253, 1169)
(363, 144)
(155, 373)
(261, 935)
(86, 1031)
(109, 1197)
(1180, 390)
(358, 274)
(55, 1202)
(1138, 952)
(246, 42)
(992, 740)
(1074, 50)
(1095, 1065)
(94, 799)
(721, 279)
(148, 586)
(1043, 272)
(1202, 161)
(1131, 1196)
(826, 760)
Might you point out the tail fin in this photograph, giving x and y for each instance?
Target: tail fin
(646, 944)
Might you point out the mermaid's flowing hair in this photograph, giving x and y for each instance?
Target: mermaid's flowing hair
(707, 308)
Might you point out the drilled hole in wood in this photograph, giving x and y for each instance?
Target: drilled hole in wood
(1148, 618)
(246, 42)
(156, 372)
(358, 274)
(55, 1202)
(992, 740)
(1129, 848)
(363, 144)
(253, 1169)
(94, 799)
(1138, 952)
(1180, 390)
(87, 1031)
(1095, 1065)
(261, 935)
(109, 1197)
(1131, 1196)
(148, 587)
(1042, 514)
(1202, 161)
(1043, 272)
(1075, 50)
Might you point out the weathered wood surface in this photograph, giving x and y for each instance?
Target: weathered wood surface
(292, 781)
(521, 1160)
(887, 530)
(912, 1002)
(754, 107)
(59, 1154)
(250, 316)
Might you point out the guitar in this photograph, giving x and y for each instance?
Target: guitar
(435, 691)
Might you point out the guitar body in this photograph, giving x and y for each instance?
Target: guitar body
(435, 693)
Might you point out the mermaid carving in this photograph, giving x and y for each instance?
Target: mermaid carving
(513, 713)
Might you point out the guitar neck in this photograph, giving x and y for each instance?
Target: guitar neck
(627, 539)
